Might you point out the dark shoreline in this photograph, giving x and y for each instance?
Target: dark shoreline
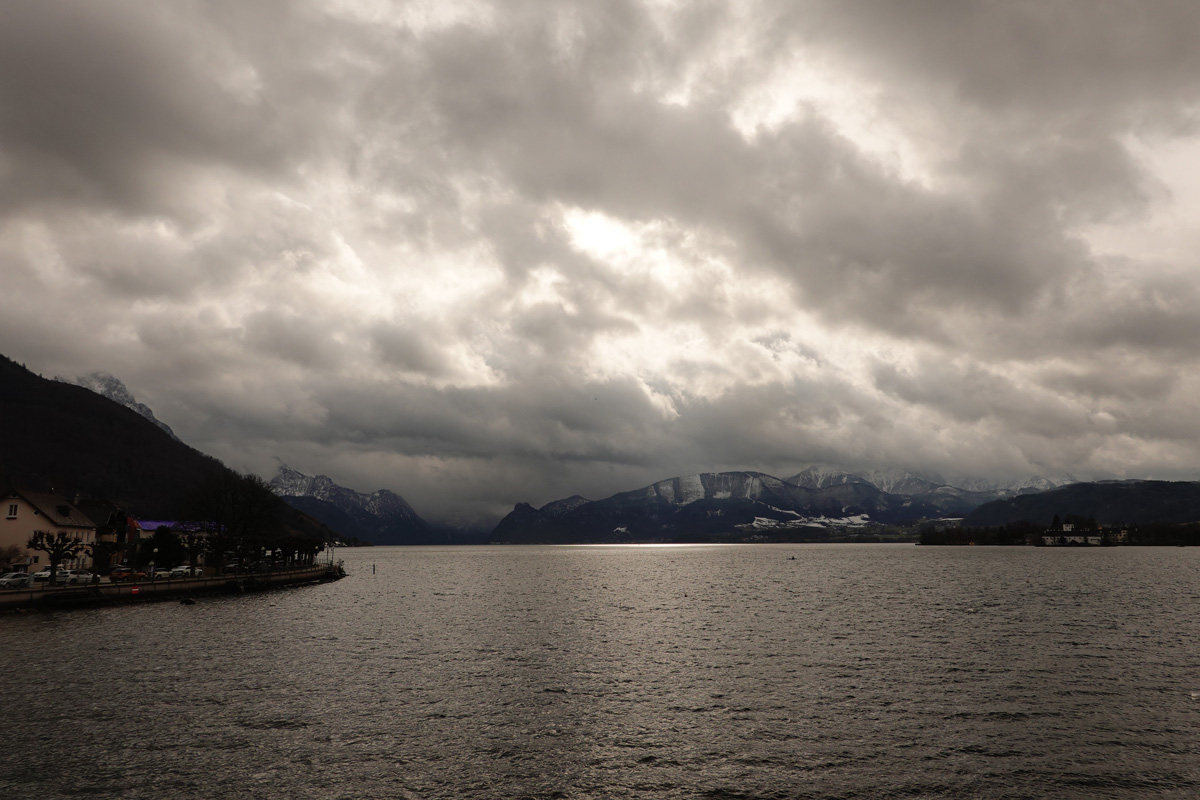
(68, 597)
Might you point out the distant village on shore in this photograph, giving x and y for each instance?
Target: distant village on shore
(42, 531)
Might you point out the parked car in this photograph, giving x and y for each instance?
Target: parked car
(76, 576)
(121, 572)
(14, 580)
(182, 571)
(43, 574)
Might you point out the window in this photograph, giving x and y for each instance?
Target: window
(12, 510)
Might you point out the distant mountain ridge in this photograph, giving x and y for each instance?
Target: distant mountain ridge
(900, 481)
(107, 385)
(67, 439)
(1029, 485)
(93, 437)
(728, 505)
(1108, 502)
(733, 505)
(382, 517)
(926, 489)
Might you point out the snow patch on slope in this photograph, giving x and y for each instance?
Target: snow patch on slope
(768, 524)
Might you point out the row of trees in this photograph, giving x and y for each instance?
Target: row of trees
(1014, 534)
(1163, 534)
(236, 518)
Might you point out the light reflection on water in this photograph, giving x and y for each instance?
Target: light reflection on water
(696, 671)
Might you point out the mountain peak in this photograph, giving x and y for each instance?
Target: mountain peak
(820, 476)
(382, 517)
(905, 482)
(107, 385)
(560, 508)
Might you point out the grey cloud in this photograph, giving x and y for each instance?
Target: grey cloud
(292, 337)
(801, 201)
(199, 349)
(1158, 315)
(1042, 61)
(190, 178)
(974, 395)
(560, 334)
(1115, 380)
(407, 348)
(117, 104)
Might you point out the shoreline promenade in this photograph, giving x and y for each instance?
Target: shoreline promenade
(49, 598)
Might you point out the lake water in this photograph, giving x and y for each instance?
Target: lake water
(852, 671)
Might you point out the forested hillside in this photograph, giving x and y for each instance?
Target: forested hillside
(70, 440)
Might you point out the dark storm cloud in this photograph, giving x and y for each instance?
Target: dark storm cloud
(1056, 60)
(292, 337)
(1157, 315)
(541, 249)
(1118, 379)
(972, 394)
(405, 348)
(550, 416)
(801, 202)
(113, 104)
(771, 423)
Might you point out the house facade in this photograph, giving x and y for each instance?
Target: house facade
(117, 533)
(1070, 535)
(24, 513)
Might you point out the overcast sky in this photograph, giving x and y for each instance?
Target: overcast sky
(481, 253)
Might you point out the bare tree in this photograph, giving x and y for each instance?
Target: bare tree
(194, 542)
(58, 547)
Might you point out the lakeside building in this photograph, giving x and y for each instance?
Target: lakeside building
(27, 512)
(116, 532)
(110, 536)
(1067, 534)
(107, 532)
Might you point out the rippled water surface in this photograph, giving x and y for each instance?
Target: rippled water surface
(852, 671)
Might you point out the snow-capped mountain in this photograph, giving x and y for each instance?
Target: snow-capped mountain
(106, 385)
(722, 505)
(900, 481)
(382, 517)
(919, 484)
(892, 481)
(1029, 485)
(819, 476)
(560, 508)
(927, 488)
